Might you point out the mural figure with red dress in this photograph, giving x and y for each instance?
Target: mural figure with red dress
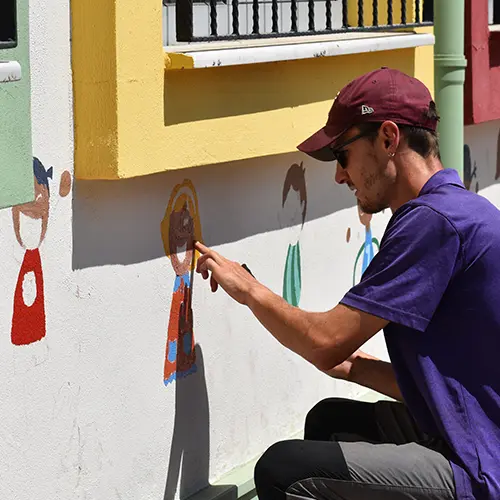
(30, 222)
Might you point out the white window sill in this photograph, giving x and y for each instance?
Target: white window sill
(213, 54)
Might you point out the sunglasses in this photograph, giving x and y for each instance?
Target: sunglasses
(340, 154)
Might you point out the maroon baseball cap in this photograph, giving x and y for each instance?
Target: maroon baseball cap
(383, 94)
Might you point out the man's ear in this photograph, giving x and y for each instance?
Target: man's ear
(391, 135)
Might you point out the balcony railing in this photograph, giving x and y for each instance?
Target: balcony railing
(214, 20)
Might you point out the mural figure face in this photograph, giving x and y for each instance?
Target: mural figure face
(38, 210)
(180, 228)
(181, 240)
(294, 201)
(31, 219)
(364, 218)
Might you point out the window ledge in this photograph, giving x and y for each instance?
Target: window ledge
(213, 54)
(10, 71)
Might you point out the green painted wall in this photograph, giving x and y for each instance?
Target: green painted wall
(16, 164)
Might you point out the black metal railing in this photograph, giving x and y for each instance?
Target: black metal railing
(321, 18)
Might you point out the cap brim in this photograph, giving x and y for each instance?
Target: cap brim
(319, 146)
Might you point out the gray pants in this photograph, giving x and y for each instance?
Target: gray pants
(354, 450)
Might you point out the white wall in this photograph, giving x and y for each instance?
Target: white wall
(483, 141)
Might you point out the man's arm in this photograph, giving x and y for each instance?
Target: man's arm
(328, 340)
(325, 339)
(368, 371)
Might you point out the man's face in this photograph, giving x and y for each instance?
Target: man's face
(369, 174)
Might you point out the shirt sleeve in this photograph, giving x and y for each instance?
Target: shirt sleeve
(406, 280)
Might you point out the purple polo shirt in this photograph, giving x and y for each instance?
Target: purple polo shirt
(436, 279)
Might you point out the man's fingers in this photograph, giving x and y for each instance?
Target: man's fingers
(206, 264)
(207, 252)
(208, 261)
(213, 283)
(202, 262)
(201, 247)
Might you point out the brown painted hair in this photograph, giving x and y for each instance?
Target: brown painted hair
(296, 179)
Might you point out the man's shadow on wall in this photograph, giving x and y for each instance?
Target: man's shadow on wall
(190, 450)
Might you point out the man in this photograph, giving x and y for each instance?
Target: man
(434, 288)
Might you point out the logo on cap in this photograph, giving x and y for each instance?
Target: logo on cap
(366, 110)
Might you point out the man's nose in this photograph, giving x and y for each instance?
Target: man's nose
(341, 176)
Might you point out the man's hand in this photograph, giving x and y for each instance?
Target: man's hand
(231, 276)
(368, 371)
(343, 370)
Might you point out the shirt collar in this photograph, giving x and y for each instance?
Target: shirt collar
(440, 178)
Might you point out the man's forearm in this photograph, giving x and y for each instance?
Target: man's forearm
(375, 374)
(295, 328)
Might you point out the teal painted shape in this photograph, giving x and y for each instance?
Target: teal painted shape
(292, 279)
(16, 162)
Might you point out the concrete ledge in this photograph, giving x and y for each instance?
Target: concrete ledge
(214, 54)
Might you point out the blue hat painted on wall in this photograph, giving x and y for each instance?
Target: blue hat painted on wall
(42, 175)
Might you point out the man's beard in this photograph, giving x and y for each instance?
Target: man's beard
(369, 207)
(373, 184)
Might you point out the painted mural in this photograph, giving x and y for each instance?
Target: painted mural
(180, 228)
(30, 222)
(469, 173)
(292, 217)
(368, 248)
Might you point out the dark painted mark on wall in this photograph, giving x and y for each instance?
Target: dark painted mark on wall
(469, 173)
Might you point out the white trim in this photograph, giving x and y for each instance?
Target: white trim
(212, 54)
(10, 71)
